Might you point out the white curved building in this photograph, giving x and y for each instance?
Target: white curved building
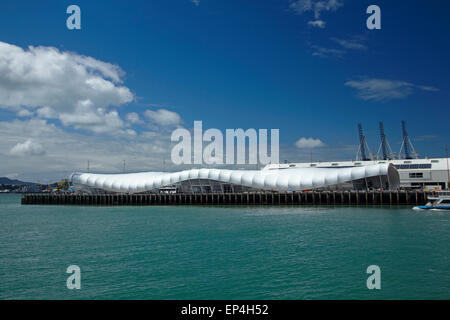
(379, 176)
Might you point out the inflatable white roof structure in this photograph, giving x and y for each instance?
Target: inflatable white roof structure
(294, 179)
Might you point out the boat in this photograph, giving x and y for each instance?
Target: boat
(438, 202)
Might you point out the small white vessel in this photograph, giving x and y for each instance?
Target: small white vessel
(437, 203)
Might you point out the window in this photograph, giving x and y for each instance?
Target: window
(406, 161)
(335, 164)
(434, 161)
(413, 166)
(416, 175)
(313, 164)
(292, 165)
(357, 163)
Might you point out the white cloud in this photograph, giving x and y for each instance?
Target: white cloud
(67, 86)
(12, 175)
(24, 113)
(317, 23)
(330, 5)
(46, 112)
(27, 148)
(301, 6)
(66, 152)
(383, 89)
(310, 143)
(316, 6)
(196, 2)
(355, 43)
(428, 88)
(133, 118)
(42, 83)
(352, 44)
(163, 117)
(131, 132)
(326, 52)
(97, 120)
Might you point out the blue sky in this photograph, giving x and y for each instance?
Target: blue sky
(246, 64)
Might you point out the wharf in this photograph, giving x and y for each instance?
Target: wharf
(361, 198)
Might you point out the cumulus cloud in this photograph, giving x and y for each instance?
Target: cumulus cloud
(51, 91)
(133, 118)
(383, 89)
(309, 143)
(163, 117)
(66, 152)
(97, 120)
(45, 112)
(316, 6)
(317, 23)
(196, 2)
(27, 148)
(24, 113)
(75, 89)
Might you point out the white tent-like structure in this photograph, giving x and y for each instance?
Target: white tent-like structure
(383, 176)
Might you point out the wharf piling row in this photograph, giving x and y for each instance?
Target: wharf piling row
(253, 198)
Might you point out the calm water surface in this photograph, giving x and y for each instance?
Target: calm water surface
(222, 252)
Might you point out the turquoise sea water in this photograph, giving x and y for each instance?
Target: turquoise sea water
(222, 252)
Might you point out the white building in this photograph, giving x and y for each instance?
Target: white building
(283, 178)
(414, 173)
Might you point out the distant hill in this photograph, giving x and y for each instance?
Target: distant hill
(4, 180)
